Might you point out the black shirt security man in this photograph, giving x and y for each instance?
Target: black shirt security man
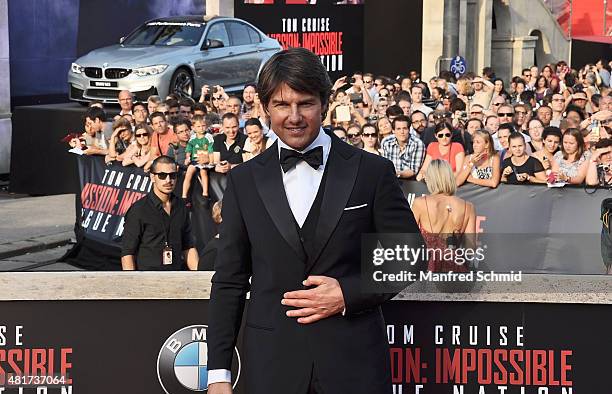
(157, 232)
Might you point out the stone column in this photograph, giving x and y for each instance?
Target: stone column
(483, 34)
(5, 91)
(464, 30)
(432, 42)
(220, 7)
(524, 53)
(511, 54)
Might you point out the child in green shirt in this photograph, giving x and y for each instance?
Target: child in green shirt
(197, 155)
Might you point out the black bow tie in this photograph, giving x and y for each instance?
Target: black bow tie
(289, 158)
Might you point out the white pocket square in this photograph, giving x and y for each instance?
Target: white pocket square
(355, 207)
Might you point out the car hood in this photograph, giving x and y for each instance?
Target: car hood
(132, 56)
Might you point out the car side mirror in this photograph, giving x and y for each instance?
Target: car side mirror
(121, 40)
(212, 43)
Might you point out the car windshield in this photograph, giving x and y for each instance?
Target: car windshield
(166, 34)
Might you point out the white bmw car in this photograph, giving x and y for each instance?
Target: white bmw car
(173, 55)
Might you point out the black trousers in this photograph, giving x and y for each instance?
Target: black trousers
(315, 385)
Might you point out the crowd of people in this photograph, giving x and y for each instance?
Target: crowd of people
(549, 125)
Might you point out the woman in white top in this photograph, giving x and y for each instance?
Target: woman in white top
(571, 163)
(257, 142)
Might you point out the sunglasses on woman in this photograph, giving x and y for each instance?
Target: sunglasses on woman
(138, 135)
(369, 134)
(164, 175)
(444, 135)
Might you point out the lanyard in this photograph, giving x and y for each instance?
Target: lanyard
(163, 223)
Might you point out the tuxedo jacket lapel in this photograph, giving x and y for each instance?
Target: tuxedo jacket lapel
(342, 168)
(269, 184)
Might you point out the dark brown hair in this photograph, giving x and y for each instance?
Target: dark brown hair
(230, 115)
(299, 69)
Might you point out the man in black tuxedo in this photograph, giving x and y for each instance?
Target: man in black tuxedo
(292, 222)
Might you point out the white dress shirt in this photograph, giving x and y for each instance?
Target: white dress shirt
(302, 182)
(301, 186)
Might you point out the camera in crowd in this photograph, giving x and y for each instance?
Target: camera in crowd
(442, 116)
(356, 98)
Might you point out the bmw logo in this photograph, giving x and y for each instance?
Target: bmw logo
(182, 362)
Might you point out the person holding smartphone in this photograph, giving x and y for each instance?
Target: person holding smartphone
(481, 167)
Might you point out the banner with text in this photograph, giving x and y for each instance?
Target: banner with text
(107, 192)
(59, 347)
(333, 30)
(493, 348)
(532, 229)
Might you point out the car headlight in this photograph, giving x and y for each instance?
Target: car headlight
(150, 70)
(75, 68)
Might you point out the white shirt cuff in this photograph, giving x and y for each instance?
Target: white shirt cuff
(219, 376)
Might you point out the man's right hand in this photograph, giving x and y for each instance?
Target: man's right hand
(220, 388)
(222, 168)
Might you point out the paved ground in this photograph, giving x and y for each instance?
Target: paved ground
(44, 260)
(34, 224)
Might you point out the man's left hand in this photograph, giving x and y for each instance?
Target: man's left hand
(324, 300)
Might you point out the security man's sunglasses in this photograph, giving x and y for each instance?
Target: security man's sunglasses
(164, 175)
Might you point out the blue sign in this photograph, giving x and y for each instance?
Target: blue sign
(458, 66)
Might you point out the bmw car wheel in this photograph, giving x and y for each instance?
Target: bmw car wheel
(181, 83)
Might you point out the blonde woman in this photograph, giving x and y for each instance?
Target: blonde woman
(443, 218)
(139, 153)
(483, 166)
